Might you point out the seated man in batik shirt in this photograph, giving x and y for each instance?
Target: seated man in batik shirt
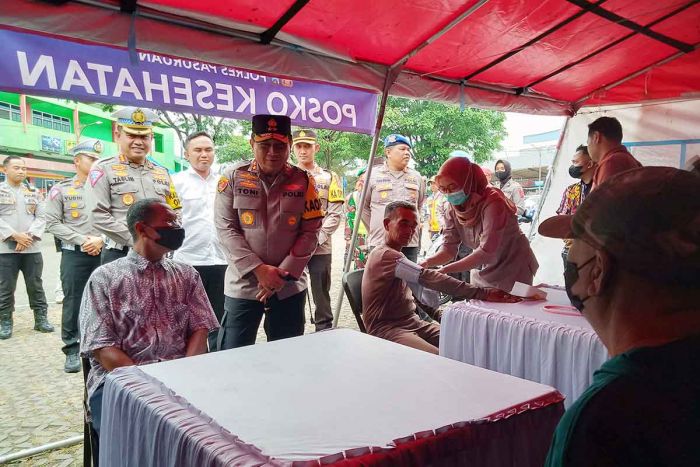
(143, 308)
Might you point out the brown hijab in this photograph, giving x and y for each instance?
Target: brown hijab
(470, 176)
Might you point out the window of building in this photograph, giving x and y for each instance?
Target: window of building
(50, 121)
(158, 140)
(10, 112)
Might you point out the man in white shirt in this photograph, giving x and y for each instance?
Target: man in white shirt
(196, 187)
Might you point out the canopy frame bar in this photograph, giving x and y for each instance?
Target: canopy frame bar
(441, 32)
(629, 24)
(267, 36)
(170, 18)
(529, 43)
(127, 6)
(391, 75)
(613, 44)
(579, 103)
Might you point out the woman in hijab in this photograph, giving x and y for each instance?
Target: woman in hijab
(510, 187)
(482, 218)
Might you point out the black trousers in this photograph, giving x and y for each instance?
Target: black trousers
(213, 281)
(283, 318)
(320, 275)
(109, 254)
(76, 268)
(31, 265)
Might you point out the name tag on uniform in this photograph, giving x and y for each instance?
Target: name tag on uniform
(411, 186)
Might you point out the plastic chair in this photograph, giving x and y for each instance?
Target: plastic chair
(91, 443)
(352, 284)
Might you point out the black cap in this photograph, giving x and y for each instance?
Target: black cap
(648, 219)
(277, 127)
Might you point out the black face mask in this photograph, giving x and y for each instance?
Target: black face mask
(570, 278)
(501, 175)
(170, 237)
(576, 171)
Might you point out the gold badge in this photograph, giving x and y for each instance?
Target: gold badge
(138, 116)
(72, 192)
(292, 220)
(384, 194)
(128, 199)
(272, 125)
(302, 134)
(73, 205)
(223, 183)
(247, 218)
(119, 167)
(74, 214)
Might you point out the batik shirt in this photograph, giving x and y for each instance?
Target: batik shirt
(573, 197)
(146, 309)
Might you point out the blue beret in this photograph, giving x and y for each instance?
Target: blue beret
(459, 153)
(393, 140)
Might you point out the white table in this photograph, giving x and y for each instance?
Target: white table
(329, 396)
(524, 340)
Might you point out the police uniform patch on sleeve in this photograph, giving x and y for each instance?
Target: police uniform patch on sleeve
(55, 191)
(312, 203)
(223, 183)
(95, 176)
(335, 191)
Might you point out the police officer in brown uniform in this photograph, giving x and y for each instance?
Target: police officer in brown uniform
(330, 192)
(117, 182)
(22, 224)
(67, 218)
(393, 181)
(267, 216)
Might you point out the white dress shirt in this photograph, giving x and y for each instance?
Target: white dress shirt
(201, 246)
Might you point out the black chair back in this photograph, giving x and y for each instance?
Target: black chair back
(352, 284)
(91, 443)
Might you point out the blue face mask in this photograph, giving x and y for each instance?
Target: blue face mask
(457, 198)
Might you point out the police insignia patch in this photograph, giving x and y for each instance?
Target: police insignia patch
(128, 199)
(223, 183)
(247, 218)
(292, 220)
(95, 176)
(54, 192)
(74, 214)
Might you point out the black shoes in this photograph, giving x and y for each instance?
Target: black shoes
(72, 363)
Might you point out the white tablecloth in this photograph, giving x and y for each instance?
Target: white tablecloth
(524, 340)
(305, 398)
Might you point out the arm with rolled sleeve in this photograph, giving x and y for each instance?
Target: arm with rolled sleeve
(97, 193)
(228, 228)
(38, 226)
(54, 220)
(494, 220)
(307, 235)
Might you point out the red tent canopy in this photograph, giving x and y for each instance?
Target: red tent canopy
(538, 56)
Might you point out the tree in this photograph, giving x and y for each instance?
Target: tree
(436, 129)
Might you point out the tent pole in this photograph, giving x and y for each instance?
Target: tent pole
(391, 75)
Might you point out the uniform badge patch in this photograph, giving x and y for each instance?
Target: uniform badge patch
(74, 214)
(95, 176)
(247, 218)
(54, 192)
(74, 205)
(223, 183)
(384, 194)
(128, 199)
(292, 220)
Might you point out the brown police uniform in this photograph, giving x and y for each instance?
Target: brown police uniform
(113, 185)
(68, 219)
(331, 195)
(385, 186)
(21, 210)
(259, 223)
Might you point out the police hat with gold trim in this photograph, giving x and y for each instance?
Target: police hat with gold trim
(90, 147)
(277, 127)
(135, 120)
(304, 136)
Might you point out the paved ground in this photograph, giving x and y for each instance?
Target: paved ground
(39, 403)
